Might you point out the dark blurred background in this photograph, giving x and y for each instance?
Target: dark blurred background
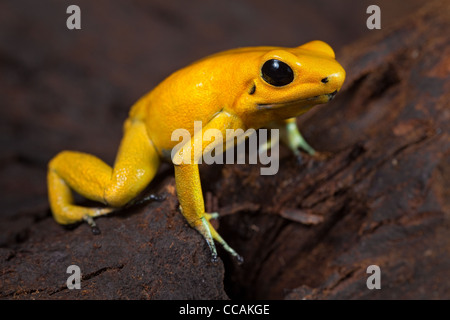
(71, 89)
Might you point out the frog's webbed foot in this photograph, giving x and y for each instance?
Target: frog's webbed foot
(90, 221)
(292, 138)
(91, 213)
(212, 215)
(216, 236)
(148, 198)
(296, 142)
(210, 234)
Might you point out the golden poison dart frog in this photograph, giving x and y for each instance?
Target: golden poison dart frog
(242, 88)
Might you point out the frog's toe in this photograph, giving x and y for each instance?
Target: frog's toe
(210, 234)
(212, 215)
(204, 228)
(216, 236)
(148, 198)
(90, 221)
(296, 141)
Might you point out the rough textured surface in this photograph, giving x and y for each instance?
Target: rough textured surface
(380, 197)
(141, 253)
(383, 194)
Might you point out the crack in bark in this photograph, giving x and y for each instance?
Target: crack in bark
(52, 291)
(346, 276)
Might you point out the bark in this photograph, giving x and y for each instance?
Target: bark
(383, 194)
(379, 196)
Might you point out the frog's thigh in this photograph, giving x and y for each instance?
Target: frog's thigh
(136, 164)
(75, 168)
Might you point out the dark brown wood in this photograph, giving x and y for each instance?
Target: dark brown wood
(142, 253)
(383, 193)
(380, 196)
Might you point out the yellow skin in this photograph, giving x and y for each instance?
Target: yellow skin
(228, 90)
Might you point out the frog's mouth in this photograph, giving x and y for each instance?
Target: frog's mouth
(303, 102)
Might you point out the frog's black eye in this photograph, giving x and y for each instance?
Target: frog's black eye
(277, 73)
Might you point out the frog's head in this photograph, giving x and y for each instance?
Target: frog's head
(289, 81)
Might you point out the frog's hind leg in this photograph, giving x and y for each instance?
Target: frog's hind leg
(136, 164)
(60, 195)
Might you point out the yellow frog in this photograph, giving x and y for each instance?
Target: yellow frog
(236, 89)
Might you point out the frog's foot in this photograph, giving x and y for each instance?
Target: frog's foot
(148, 198)
(216, 236)
(212, 215)
(91, 213)
(210, 234)
(90, 221)
(296, 141)
(202, 227)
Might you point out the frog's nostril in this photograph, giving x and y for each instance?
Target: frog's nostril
(324, 80)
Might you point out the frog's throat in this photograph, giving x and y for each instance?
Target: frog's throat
(306, 102)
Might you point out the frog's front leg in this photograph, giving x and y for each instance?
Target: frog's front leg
(189, 190)
(291, 137)
(190, 195)
(294, 139)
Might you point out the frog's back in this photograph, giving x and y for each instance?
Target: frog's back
(194, 93)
